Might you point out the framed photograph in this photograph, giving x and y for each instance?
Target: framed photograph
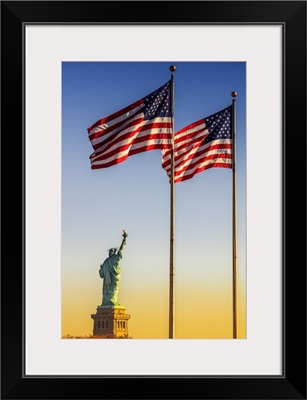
(203, 267)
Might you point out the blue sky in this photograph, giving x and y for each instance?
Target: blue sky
(134, 195)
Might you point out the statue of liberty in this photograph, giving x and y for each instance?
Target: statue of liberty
(110, 273)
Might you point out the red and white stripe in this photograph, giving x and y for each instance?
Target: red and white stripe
(126, 132)
(193, 155)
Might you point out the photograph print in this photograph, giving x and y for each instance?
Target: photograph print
(153, 200)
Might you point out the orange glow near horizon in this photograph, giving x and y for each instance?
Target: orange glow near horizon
(201, 315)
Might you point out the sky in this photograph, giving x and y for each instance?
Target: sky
(135, 195)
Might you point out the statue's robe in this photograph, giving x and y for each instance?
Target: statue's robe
(110, 273)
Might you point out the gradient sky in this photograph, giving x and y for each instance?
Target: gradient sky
(134, 195)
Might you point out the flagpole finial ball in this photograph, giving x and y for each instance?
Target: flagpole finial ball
(234, 94)
(172, 68)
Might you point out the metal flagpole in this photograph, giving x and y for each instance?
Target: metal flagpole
(234, 219)
(172, 224)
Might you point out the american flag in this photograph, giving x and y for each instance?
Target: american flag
(142, 126)
(204, 144)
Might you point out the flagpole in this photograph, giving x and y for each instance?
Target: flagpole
(234, 220)
(172, 223)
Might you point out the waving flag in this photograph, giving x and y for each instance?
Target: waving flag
(142, 126)
(204, 144)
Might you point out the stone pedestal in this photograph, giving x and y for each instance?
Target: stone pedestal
(111, 321)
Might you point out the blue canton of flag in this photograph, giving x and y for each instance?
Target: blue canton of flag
(219, 125)
(158, 103)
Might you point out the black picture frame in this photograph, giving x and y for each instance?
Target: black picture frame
(292, 16)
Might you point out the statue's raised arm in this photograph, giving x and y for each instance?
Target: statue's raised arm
(125, 234)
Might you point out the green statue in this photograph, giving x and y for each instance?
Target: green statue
(110, 273)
